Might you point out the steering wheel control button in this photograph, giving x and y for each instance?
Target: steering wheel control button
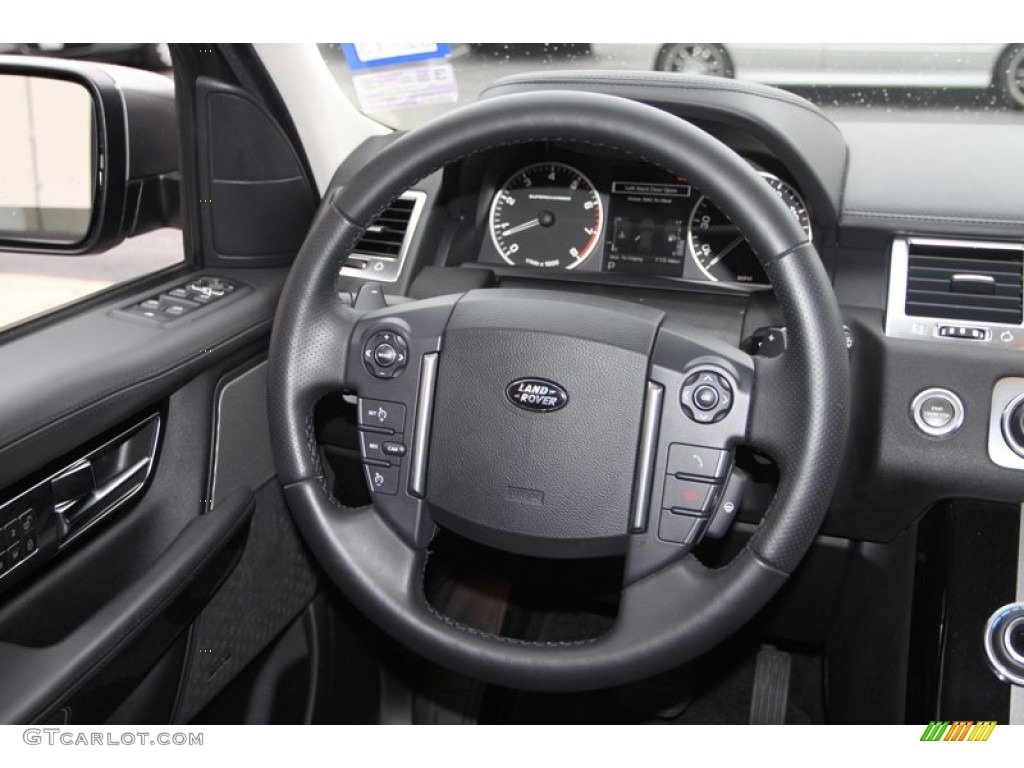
(382, 415)
(706, 396)
(678, 528)
(689, 495)
(728, 504)
(697, 461)
(385, 354)
(937, 412)
(372, 445)
(382, 479)
(394, 449)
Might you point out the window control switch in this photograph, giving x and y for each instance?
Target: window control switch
(181, 299)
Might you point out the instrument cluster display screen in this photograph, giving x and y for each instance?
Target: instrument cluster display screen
(646, 228)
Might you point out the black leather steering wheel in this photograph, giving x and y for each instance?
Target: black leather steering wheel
(519, 478)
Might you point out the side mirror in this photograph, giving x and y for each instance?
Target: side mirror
(89, 154)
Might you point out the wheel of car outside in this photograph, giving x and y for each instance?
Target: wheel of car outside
(1009, 75)
(487, 397)
(694, 59)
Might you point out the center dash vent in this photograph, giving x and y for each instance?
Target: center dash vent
(380, 252)
(976, 282)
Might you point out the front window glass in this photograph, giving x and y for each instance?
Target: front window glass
(406, 84)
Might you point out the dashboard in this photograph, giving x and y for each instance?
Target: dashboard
(879, 210)
(920, 228)
(571, 211)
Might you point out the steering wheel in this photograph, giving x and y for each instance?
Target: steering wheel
(554, 424)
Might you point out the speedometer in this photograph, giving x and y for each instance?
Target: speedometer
(720, 250)
(546, 215)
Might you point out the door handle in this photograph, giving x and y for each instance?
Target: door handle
(71, 513)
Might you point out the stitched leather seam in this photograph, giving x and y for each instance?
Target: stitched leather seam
(780, 256)
(934, 217)
(500, 638)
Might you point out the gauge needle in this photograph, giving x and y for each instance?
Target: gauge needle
(723, 253)
(520, 227)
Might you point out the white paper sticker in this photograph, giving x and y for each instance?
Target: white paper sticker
(393, 89)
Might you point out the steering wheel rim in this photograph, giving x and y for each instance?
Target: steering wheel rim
(798, 413)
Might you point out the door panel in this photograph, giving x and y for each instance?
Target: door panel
(72, 380)
(85, 627)
(159, 606)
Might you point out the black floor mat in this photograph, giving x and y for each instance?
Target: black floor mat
(720, 687)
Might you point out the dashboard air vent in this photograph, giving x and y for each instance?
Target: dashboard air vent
(964, 282)
(381, 250)
(386, 235)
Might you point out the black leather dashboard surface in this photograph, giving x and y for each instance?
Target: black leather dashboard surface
(935, 178)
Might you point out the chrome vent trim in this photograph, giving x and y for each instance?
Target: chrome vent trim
(380, 253)
(918, 308)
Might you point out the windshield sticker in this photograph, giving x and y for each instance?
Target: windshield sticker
(406, 87)
(372, 55)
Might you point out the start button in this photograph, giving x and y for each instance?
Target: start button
(937, 412)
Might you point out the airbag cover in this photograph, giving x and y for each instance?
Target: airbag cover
(555, 481)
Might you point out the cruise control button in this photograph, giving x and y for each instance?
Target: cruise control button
(28, 544)
(372, 446)
(27, 521)
(689, 495)
(11, 534)
(382, 479)
(394, 449)
(697, 461)
(381, 414)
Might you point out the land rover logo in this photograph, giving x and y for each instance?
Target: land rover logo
(537, 395)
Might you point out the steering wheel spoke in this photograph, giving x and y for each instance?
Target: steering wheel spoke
(698, 398)
(393, 359)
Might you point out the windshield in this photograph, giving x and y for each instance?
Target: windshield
(404, 85)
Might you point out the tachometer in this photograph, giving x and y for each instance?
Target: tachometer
(717, 246)
(546, 215)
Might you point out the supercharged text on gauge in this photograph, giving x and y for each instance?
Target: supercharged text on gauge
(546, 215)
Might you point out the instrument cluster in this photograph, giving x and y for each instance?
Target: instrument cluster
(621, 218)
